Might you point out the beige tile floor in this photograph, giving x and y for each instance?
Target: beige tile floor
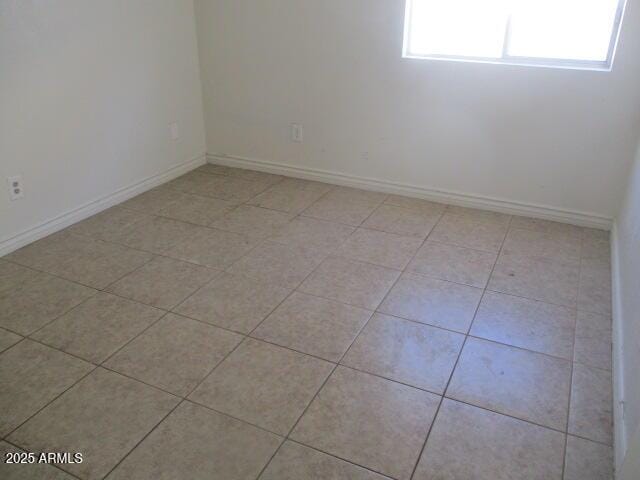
(236, 325)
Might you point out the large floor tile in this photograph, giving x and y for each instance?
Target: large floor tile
(432, 301)
(36, 302)
(253, 221)
(33, 375)
(213, 248)
(265, 385)
(103, 416)
(81, 258)
(196, 209)
(109, 224)
(526, 385)
(155, 234)
(594, 292)
(163, 282)
(196, 443)
(7, 339)
(291, 195)
(98, 327)
(235, 302)
(525, 323)
(593, 340)
(542, 246)
(370, 421)
(12, 275)
(478, 215)
(402, 221)
(296, 462)
(596, 244)
(241, 173)
(416, 204)
(560, 230)
(216, 186)
(283, 265)
(49, 252)
(469, 233)
(471, 443)
(152, 201)
(590, 413)
(313, 325)
(548, 281)
(101, 264)
(405, 351)
(352, 195)
(587, 460)
(313, 233)
(175, 354)
(341, 208)
(356, 283)
(380, 248)
(27, 471)
(87, 260)
(455, 264)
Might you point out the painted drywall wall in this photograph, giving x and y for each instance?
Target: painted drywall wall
(554, 137)
(626, 279)
(88, 89)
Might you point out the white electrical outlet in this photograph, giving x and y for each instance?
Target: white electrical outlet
(16, 189)
(175, 132)
(296, 133)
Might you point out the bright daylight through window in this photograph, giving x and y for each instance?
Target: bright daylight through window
(562, 33)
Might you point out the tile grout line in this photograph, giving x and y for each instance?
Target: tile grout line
(335, 366)
(180, 402)
(455, 365)
(185, 398)
(573, 353)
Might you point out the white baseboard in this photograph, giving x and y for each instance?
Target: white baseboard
(620, 437)
(583, 219)
(91, 208)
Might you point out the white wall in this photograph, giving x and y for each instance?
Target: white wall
(561, 138)
(626, 271)
(87, 91)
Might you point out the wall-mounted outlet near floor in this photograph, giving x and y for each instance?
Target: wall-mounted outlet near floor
(16, 189)
(296, 132)
(175, 132)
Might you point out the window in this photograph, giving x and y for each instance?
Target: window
(560, 33)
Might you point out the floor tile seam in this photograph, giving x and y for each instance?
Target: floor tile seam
(573, 354)
(566, 427)
(403, 270)
(552, 237)
(218, 196)
(364, 327)
(512, 416)
(453, 370)
(470, 218)
(235, 176)
(55, 398)
(374, 208)
(333, 455)
(67, 311)
(225, 271)
(437, 411)
(180, 402)
(132, 339)
(355, 337)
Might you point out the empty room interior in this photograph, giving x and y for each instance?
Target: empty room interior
(320, 239)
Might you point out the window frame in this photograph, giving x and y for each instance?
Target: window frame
(506, 59)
